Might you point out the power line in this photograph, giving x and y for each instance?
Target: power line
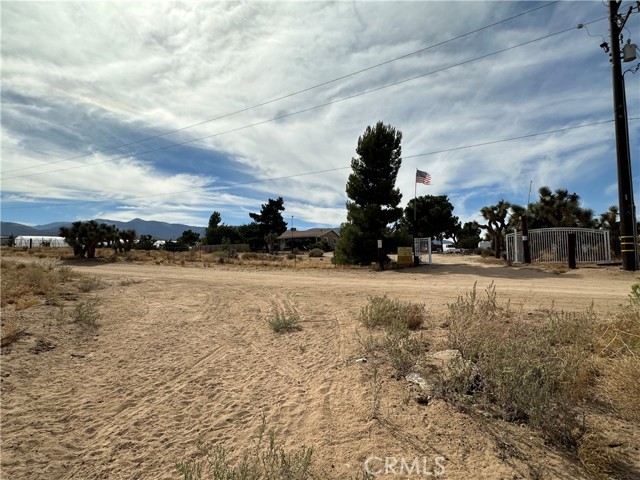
(511, 139)
(289, 95)
(317, 172)
(332, 102)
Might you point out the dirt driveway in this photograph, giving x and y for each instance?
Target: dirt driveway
(184, 355)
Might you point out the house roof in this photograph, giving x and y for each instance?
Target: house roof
(311, 233)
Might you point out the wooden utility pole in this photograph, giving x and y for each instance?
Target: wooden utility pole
(628, 234)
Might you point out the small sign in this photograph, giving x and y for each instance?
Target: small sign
(405, 256)
(379, 243)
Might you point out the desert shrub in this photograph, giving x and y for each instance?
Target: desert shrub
(619, 345)
(472, 319)
(21, 283)
(535, 374)
(86, 313)
(284, 319)
(65, 273)
(316, 252)
(267, 461)
(89, 284)
(402, 349)
(385, 312)
(621, 386)
(260, 256)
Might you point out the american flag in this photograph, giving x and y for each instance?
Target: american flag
(423, 177)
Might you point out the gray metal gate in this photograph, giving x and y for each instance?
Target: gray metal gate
(422, 249)
(551, 245)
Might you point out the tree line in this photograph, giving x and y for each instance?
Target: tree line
(86, 236)
(373, 213)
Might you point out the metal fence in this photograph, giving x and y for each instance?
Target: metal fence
(551, 245)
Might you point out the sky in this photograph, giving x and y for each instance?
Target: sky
(170, 111)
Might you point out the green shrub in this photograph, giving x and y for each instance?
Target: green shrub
(284, 320)
(316, 252)
(385, 312)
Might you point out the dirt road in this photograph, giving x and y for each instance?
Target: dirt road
(184, 355)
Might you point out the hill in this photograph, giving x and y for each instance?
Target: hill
(158, 230)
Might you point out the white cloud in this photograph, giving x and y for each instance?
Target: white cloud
(84, 76)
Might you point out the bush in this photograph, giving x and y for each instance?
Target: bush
(267, 461)
(284, 320)
(316, 253)
(86, 313)
(534, 374)
(385, 312)
(90, 284)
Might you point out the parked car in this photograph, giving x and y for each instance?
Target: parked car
(451, 249)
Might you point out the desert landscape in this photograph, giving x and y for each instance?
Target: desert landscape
(182, 357)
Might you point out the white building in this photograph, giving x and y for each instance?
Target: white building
(40, 241)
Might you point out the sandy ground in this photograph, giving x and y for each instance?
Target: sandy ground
(185, 356)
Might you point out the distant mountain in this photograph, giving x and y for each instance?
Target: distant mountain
(9, 228)
(158, 230)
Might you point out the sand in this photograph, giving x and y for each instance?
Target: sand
(184, 355)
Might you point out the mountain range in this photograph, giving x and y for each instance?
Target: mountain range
(158, 230)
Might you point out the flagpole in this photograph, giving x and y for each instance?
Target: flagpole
(416, 258)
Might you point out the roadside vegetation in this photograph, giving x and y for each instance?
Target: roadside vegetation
(566, 375)
(69, 295)
(266, 460)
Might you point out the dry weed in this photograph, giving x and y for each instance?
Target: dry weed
(534, 374)
(621, 384)
(284, 319)
(389, 313)
(596, 456)
(11, 331)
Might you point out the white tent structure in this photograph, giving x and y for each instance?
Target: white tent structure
(40, 241)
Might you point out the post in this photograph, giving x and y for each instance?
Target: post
(380, 260)
(525, 238)
(571, 247)
(628, 240)
(295, 257)
(515, 246)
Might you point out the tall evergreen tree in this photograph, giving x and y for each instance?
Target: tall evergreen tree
(374, 199)
(270, 220)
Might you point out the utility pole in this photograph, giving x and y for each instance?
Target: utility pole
(628, 236)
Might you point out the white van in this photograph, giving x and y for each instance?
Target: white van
(450, 248)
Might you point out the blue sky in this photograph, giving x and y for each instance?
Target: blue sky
(78, 78)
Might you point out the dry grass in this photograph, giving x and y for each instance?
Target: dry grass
(284, 319)
(11, 331)
(186, 259)
(389, 313)
(534, 374)
(21, 283)
(620, 383)
(267, 459)
(546, 374)
(89, 284)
